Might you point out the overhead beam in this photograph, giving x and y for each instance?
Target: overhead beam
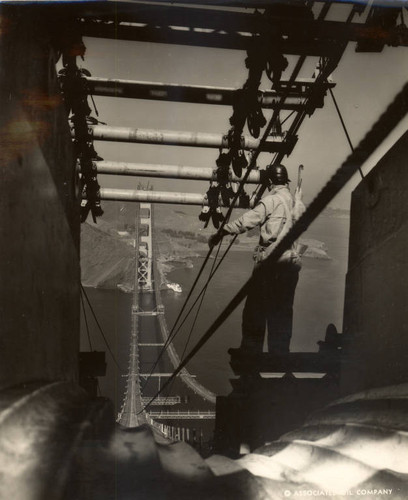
(254, 4)
(169, 171)
(156, 197)
(191, 139)
(225, 40)
(298, 91)
(227, 4)
(226, 28)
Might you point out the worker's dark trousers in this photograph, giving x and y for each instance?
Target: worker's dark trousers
(270, 303)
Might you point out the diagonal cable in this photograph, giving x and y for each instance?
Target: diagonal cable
(250, 167)
(100, 329)
(86, 322)
(378, 132)
(202, 294)
(213, 271)
(344, 127)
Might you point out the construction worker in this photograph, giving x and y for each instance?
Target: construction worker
(272, 289)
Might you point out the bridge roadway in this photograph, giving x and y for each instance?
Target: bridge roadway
(185, 394)
(185, 409)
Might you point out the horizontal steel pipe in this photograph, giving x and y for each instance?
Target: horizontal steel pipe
(168, 171)
(155, 197)
(197, 94)
(172, 138)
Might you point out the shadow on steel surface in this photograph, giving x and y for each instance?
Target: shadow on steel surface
(56, 443)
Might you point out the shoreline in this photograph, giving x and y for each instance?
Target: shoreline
(168, 264)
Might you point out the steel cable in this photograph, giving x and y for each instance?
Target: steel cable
(249, 168)
(86, 322)
(202, 294)
(252, 164)
(378, 132)
(206, 284)
(227, 216)
(344, 128)
(100, 329)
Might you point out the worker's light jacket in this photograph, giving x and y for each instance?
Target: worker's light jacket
(269, 214)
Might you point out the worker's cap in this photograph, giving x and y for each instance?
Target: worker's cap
(277, 174)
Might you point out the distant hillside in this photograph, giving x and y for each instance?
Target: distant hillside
(182, 225)
(106, 260)
(107, 254)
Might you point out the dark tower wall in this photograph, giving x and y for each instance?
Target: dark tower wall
(376, 302)
(39, 208)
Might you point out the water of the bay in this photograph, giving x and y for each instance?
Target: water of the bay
(319, 301)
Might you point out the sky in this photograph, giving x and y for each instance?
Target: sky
(365, 84)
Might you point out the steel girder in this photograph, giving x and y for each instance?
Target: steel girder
(299, 90)
(226, 28)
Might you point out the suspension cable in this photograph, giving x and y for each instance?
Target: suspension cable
(204, 290)
(378, 132)
(170, 336)
(202, 293)
(86, 321)
(207, 283)
(250, 167)
(344, 128)
(212, 273)
(89, 338)
(173, 333)
(100, 329)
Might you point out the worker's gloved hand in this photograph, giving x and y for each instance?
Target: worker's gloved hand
(214, 239)
(298, 206)
(298, 193)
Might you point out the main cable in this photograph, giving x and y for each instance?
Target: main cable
(378, 132)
